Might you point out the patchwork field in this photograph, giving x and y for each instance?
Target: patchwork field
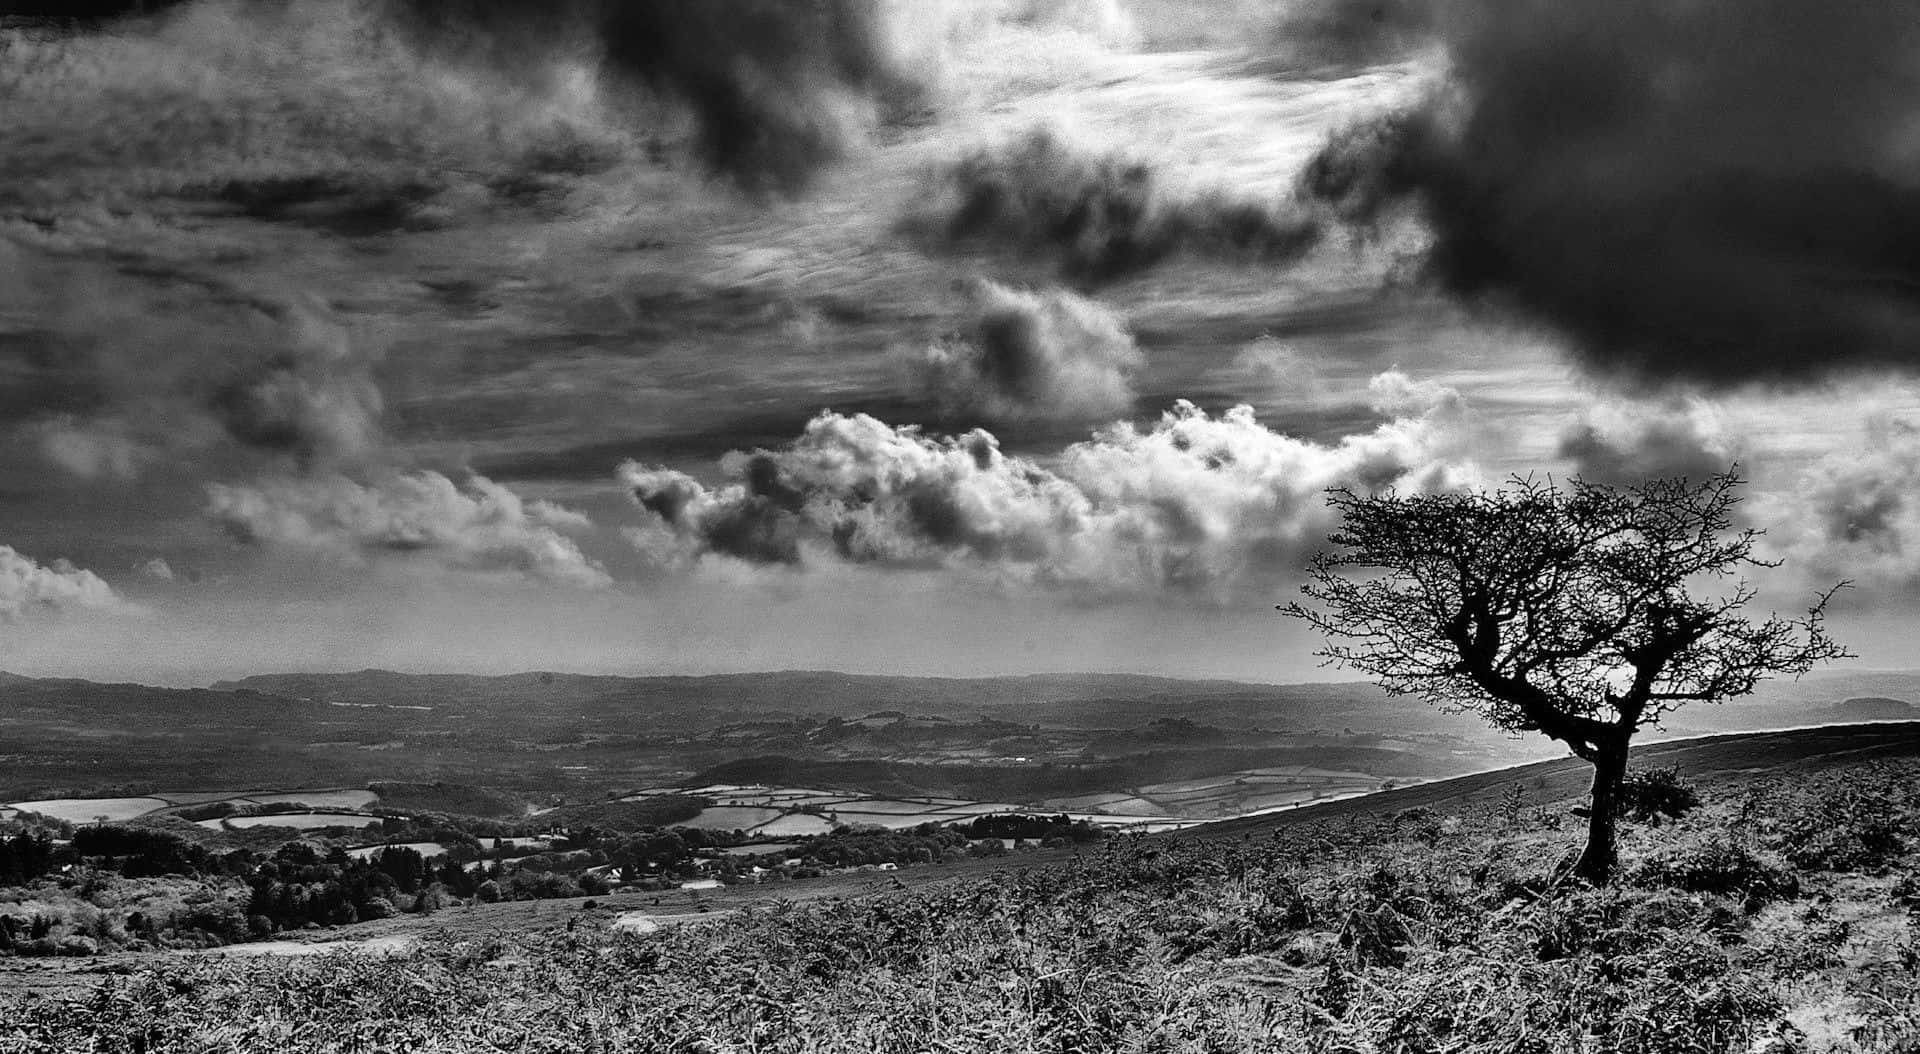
(765, 810)
(786, 812)
(1237, 793)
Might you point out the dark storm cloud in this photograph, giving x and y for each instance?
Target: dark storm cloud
(371, 117)
(1100, 217)
(1195, 507)
(1290, 35)
(1026, 355)
(1351, 32)
(775, 89)
(1720, 192)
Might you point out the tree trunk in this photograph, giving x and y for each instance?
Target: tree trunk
(1609, 769)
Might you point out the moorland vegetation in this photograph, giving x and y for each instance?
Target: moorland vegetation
(1779, 914)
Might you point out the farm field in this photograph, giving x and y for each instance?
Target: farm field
(426, 849)
(344, 800)
(117, 810)
(87, 810)
(304, 821)
(532, 845)
(731, 817)
(759, 848)
(894, 821)
(794, 825)
(1253, 790)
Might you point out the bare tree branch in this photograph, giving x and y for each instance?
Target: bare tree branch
(1582, 612)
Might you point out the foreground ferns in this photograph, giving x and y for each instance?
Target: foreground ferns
(1390, 933)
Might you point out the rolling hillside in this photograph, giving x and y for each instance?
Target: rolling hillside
(1719, 762)
(1781, 915)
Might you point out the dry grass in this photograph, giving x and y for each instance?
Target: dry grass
(1421, 931)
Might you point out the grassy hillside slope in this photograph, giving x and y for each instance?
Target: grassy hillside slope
(1784, 915)
(1725, 762)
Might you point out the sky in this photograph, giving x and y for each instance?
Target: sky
(916, 336)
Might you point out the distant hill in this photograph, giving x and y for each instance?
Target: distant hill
(1068, 700)
(541, 734)
(1875, 708)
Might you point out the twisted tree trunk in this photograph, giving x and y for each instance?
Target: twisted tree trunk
(1609, 770)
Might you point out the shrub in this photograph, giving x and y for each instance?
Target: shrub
(1905, 894)
(1649, 795)
(539, 885)
(1843, 829)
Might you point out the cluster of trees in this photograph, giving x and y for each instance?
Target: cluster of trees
(301, 885)
(850, 847)
(25, 857)
(139, 852)
(667, 852)
(1043, 829)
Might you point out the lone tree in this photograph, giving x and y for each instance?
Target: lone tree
(1583, 612)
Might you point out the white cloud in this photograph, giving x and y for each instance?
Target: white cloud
(92, 450)
(477, 525)
(1854, 514)
(157, 569)
(1201, 507)
(27, 585)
